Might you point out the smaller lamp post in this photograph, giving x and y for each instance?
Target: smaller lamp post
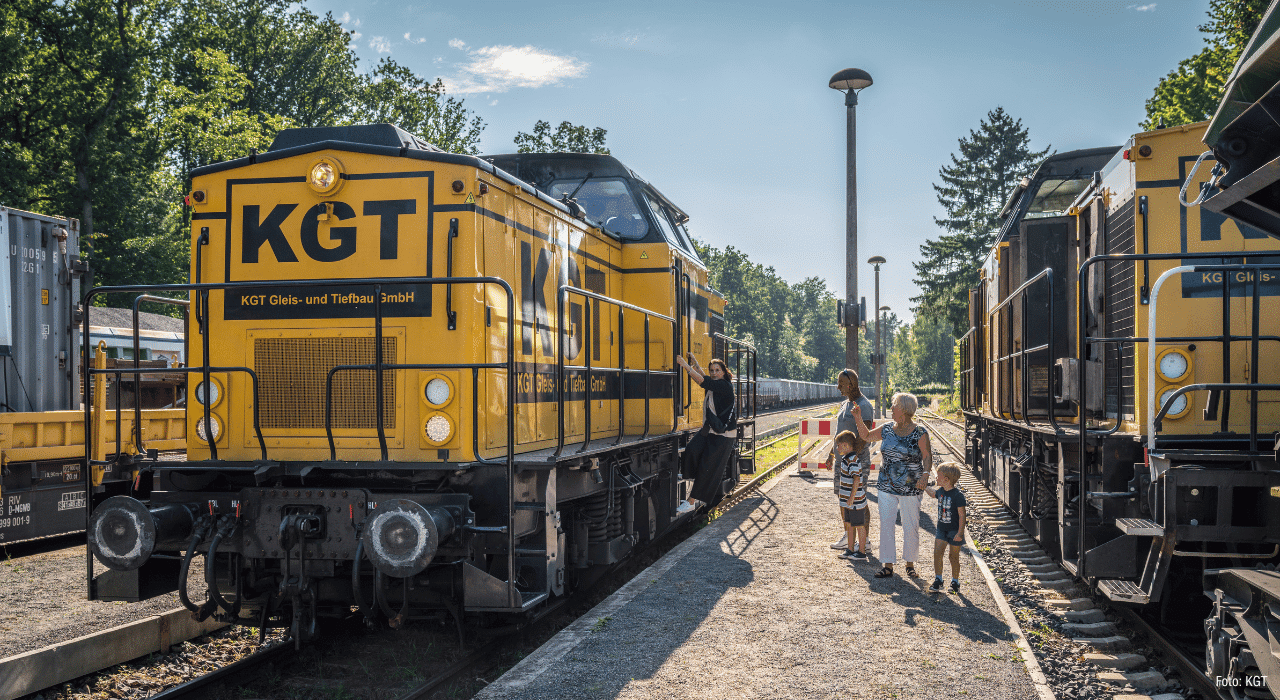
(877, 261)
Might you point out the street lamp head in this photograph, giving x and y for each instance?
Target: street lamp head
(850, 79)
(876, 260)
(885, 308)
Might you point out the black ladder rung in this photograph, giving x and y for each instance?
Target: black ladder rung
(530, 505)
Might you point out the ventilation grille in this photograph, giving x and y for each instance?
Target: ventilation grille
(1121, 291)
(291, 378)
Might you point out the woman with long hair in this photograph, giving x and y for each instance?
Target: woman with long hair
(705, 455)
(849, 387)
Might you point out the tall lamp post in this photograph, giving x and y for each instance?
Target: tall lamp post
(850, 81)
(879, 371)
(877, 261)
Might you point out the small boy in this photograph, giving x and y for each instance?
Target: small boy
(951, 507)
(853, 494)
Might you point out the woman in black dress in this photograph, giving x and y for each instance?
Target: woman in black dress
(704, 457)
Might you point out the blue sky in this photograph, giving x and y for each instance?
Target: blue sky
(724, 106)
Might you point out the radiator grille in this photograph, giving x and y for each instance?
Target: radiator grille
(1120, 290)
(291, 378)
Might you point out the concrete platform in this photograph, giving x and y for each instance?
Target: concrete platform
(756, 605)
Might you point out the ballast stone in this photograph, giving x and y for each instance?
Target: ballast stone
(1123, 662)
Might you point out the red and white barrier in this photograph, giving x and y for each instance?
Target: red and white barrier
(812, 447)
(813, 432)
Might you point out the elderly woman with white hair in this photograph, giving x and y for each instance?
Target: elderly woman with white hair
(905, 452)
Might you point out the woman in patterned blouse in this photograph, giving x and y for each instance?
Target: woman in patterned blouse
(904, 451)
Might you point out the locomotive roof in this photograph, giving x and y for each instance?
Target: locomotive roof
(374, 139)
(541, 168)
(1073, 165)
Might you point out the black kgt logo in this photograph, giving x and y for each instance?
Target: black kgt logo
(258, 231)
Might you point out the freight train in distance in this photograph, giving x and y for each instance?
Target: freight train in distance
(1119, 381)
(428, 385)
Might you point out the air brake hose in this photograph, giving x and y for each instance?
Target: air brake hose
(201, 529)
(366, 610)
(210, 567)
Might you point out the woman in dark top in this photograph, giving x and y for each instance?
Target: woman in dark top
(704, 457)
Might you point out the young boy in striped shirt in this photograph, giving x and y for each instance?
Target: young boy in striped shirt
(853, 494)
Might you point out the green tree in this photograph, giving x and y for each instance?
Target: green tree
(1191, 92)
(973, 190)
(567, 138)
(393, 94)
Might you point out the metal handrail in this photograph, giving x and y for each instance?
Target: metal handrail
(1226, 337)
(562, 295)
(1255, 280)
(137, 362)
(203, 289)
(1020, 293)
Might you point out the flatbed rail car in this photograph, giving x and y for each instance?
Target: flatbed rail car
(1162, 337)
(775, 393)
(425, 388)
(43, 484)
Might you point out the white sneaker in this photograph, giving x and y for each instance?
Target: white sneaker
(684, 508)
(841, 544)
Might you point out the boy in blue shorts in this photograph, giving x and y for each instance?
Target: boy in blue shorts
(950, 535)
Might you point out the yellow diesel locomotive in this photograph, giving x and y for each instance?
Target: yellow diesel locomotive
(1119, 375)
(427, 384)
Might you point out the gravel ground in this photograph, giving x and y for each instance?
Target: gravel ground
(43, 602)
(760, 607)
(1069, 676)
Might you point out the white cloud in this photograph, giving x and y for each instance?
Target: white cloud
(493, 104)
(1143, 8)
(458, 44)
(419, 40)
(380, 44)
(500, 68)
(346, 17)
(355, 36)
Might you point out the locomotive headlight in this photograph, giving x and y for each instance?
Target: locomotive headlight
(438, 428)
(214, 392)
(438, 392)
(1173, 364)
(325, 176)
(200, 429)
(1179, 405)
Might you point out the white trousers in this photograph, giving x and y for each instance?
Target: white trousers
(890, 504)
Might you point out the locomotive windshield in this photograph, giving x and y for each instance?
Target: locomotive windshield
(607, 200)
(1054, 197)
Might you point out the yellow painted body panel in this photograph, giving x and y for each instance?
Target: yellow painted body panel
(1173, 228)
(266, 223)
(29, 437)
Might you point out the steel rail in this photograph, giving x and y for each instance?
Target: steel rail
(453, 670)
(234, 672)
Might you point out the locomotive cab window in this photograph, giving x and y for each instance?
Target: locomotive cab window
(669, 230)
(607, 200)
(1054, 197)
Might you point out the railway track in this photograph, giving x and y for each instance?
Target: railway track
(1186, 663)
(276, 659)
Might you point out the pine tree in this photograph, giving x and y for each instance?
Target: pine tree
(1191, 92)
(973, 191)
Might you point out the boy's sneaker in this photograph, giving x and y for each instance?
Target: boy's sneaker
(936, 586)
(843, 543)
(685, 507)
(955, 586)
(859, 556)
(848, 554)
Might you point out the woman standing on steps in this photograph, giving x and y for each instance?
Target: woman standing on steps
(904, 451)
(704, 457)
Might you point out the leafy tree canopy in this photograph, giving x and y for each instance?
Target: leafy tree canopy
(972, 191)
(567, 138)
(1191, 92)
